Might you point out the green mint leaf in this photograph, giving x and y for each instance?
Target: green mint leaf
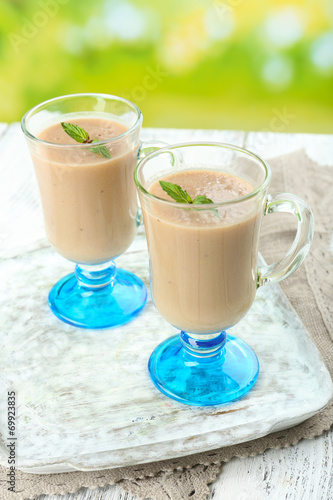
(202, 200)
(102, 150)
(176, 192)
(75, 132)
(179, 194)
(80, 135)
(215, 212)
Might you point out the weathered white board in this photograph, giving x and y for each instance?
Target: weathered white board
(301, 472)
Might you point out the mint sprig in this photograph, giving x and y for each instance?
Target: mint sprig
(176, 192)
(80, 135)
(180, 195)
(75, 132)
(102, 150)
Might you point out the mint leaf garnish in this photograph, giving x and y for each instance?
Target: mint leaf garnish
(179, 194)
(102, 150)
(75, 132)
(176, 192)
(80, 135)
(202, 199)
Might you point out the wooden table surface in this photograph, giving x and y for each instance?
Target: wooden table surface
(301, 472)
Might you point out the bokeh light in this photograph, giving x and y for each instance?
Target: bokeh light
(194, 64)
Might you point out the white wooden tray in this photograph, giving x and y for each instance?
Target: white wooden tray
(85, 400)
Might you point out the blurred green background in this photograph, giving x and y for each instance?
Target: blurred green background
(233, 64)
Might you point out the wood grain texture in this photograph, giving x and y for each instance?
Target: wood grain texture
(302, 472)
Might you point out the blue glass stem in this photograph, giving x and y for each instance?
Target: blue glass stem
(98, 296)
(207, 350)
(97, 276)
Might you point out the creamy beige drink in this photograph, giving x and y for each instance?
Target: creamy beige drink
(89, 201)
(203, 267)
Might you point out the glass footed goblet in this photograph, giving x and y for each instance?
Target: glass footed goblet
(203, 263)
(204, 372)
(89, 203)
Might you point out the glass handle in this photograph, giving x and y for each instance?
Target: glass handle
(288, 203)
(139, 217)
(146, 148)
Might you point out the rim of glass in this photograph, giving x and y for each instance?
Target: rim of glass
(32, 111)
(224, 145)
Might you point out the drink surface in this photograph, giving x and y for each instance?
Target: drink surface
(218, 186)
(203, 267)
(89, 202)
(97, 128)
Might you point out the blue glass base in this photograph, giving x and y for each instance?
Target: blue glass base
(204, 380)
(92, 304)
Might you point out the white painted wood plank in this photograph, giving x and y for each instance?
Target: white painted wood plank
(19, 198)
(300, 472)
(318, 147)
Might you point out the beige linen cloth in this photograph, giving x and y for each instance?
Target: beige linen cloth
(310, 293)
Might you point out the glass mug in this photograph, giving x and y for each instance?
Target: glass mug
(203, 270)
(90, 207)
